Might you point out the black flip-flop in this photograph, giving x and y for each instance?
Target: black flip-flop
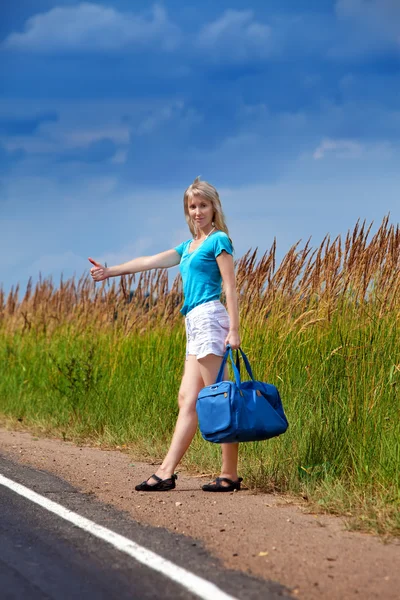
(161, 485)
(217, 485)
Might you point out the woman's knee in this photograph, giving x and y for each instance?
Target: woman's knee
(186, 401)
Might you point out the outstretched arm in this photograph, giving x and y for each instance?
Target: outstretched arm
(226, 267)
(163, 260)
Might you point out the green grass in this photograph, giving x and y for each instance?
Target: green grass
(339, 379)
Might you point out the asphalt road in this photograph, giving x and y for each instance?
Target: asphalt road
(43, 556)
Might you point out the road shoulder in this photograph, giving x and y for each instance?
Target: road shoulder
(259, 534)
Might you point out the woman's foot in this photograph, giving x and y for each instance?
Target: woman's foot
(222, 484)
(157, 484)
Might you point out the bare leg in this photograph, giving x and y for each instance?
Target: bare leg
(209, 367)
(186, 424)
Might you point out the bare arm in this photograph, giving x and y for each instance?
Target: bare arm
(163, 260)
(226, 267)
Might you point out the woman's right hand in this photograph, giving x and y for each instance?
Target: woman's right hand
(98, 272)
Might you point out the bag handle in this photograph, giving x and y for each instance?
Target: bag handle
(246, 362)
(236, 367)
(228, 352)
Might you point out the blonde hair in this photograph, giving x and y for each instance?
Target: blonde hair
(207, 191)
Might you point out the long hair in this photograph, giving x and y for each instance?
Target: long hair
(207, 191)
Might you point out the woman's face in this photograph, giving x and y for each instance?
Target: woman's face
(201, 211)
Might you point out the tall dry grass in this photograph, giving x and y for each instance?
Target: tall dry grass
(308, 284)
(104, 363)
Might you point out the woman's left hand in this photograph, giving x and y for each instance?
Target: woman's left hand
(233, 340)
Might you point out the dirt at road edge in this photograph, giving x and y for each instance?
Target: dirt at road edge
(261, 534)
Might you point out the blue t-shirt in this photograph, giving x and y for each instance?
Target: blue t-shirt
(199, 269)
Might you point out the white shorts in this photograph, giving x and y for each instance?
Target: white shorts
(207, 326)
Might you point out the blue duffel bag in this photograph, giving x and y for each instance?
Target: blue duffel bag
(239, 411)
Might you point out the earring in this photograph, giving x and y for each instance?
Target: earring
(212, 223)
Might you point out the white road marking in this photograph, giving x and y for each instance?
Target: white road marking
(197, 585)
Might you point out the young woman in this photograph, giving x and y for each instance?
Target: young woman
(205, 262)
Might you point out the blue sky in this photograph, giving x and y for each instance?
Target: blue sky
(109, 110)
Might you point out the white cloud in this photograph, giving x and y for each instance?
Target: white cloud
(80, 124)
(386, 10)
(373, 25)
(351, 149)
(82, 138)
(151, 122)
(55, 138)
(120, 157)
(235, 36)
(31, 145)
(91, 27)
(341, 149)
